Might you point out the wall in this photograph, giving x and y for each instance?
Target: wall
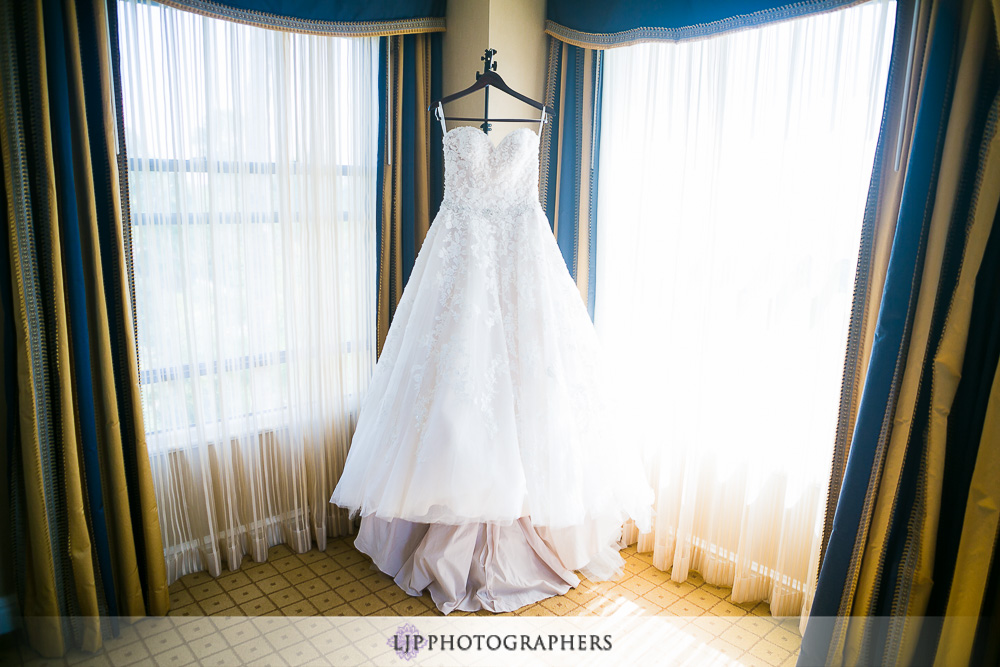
(515, 29)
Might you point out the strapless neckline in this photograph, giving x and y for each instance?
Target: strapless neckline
(486, 138)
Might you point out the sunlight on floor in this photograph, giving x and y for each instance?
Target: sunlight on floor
(696, 623)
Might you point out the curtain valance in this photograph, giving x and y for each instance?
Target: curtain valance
(606, 24)
(326, 17)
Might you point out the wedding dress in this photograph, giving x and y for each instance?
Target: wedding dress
(483, 464)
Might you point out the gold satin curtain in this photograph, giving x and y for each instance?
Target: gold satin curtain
(910, 571)
(410, 161)
(86, 537)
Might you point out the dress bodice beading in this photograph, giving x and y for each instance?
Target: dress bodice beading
(485, 179)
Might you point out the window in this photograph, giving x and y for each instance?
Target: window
(733, 180)
(252, 171)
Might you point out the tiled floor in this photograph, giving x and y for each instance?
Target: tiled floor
(343, 582)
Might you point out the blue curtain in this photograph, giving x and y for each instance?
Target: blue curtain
(411, 167)
(331, 17)
(905, 518)
(570, 158)
(86, 538)
(611, 23)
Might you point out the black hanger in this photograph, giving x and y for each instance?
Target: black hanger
(487, 79)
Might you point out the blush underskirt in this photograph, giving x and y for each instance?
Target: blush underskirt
(496, 567)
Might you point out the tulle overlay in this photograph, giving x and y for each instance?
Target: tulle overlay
(483, 465)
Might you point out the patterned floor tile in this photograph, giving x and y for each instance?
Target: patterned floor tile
(342, 610)
(341, 581)
(759, 625)
(740, 637)
(205, 589)
(786, 639)
(324, 566)
(299, 575)
(261, 571)
(724, 608)
(279, 551)
(678, 588)
(718, 591)
(312, 587)
(179, 656)
(658, 577)
(287, 563)
(644, 606)
(258, 607)
(254, 650)
(134, 653)
(725, 649)
(638, 585)
(208, 645)
(187, 610)
(702, 598)
(714, 625)
(769, 653)
(661, 597)
(377, 581)
(233, 580)
(180, 597)
(326, 600)
(337, 579)
(164, 641)
(559, 605)
(224, 658)
(245, 593)
(312, 556)
(285, 597)
(217, 604)
(352, 590)
(148, 627)
(684, 607)
(300, 608)
(272, 585)
(411, 606)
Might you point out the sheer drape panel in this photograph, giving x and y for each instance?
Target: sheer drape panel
(732, 188)
(252, 169)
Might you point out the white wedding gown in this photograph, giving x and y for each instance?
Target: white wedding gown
(484, 463)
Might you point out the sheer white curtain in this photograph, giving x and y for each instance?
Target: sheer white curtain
(252, 170)
(733, 178)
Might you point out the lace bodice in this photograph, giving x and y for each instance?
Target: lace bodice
(483, 177)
